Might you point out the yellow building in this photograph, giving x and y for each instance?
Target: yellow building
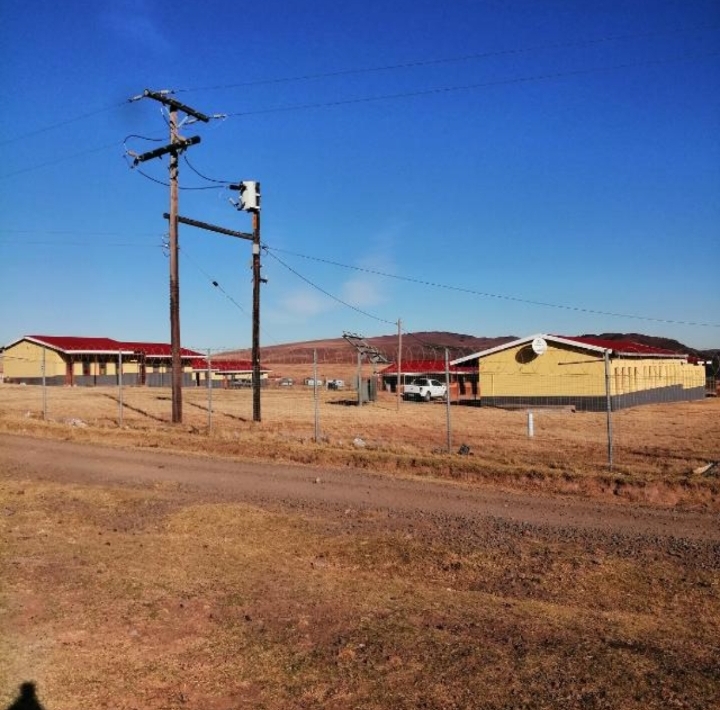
(72, 360)
(583, 372)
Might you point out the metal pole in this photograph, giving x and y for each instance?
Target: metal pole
(44, 388)
(256, 316)
(120, 388)
(174, 276)
(315, 397)
(608, 409)
(209, 390)
(398, 386)
(447, 401)
(359, 379)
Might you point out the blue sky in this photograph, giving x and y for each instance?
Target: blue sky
(455, 165)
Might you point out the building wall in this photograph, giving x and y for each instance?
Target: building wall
(24, 361)
(564, 375)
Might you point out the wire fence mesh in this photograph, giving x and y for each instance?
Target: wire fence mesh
(675, 429)
(633, 417)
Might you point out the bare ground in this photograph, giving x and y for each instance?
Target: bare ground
(146, 579)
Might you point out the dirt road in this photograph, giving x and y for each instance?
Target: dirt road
(339, 490)
(146, 579)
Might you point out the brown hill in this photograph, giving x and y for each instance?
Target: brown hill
(415, 346)
(428, 345)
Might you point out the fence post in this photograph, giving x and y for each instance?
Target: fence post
(447, 401)
(608, 410)
(44, 387)
(315, 396)
(530, 424)
(209, 390)
(120, 388)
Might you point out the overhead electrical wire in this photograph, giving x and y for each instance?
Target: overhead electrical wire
(470, 87)
(323, 291)
(204, 177)
(167, 184)
(114, 144)
(486, 294)
(60, 124)
(368, 70)
(216, 284)
(409, 94)
(446, 60)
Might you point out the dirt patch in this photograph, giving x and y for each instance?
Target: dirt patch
(660, 453)
(149, 580)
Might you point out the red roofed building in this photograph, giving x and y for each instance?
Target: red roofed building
(75, 360)
(228, 373)
(583, 372)
(464, 375)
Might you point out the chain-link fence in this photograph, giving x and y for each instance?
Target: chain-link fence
(506, 421)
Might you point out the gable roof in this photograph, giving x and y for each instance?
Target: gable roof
(625, 348)
(82, 345)
(228, 367)
(72, 344)
(424, 367)
(163, 350)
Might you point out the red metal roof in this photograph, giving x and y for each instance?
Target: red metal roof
(425, 367)
(72, 343)
(158, 349)
(82, 344)
(227, 366)
(621, 346)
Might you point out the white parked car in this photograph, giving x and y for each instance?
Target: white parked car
(425, 388)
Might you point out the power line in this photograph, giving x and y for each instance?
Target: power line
(102, 245)
(60, 160)
(471, 87)
(180, 187)
(486, 294)
(323, 291)
(401, 95)
(368, 70)
(217, 285)
(92, 232)
(446, 60)
(204, 177)
(60, 124)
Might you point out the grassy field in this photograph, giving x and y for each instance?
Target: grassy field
(659, 451)
(157, 596)
(151, 597)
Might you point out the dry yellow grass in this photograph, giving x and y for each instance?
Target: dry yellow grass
(657, 448)
(148, 597)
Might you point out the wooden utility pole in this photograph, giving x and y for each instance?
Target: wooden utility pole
(175, 276)
(398, 386)
(256, 382)
(176, 146)
(257, 281)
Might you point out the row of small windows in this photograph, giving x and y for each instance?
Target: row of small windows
(101, 368)
(630, 378)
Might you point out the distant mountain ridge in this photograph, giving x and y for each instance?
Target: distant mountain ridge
(429, 345)
(659, 342)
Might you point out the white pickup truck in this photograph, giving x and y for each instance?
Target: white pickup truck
(425, 388)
